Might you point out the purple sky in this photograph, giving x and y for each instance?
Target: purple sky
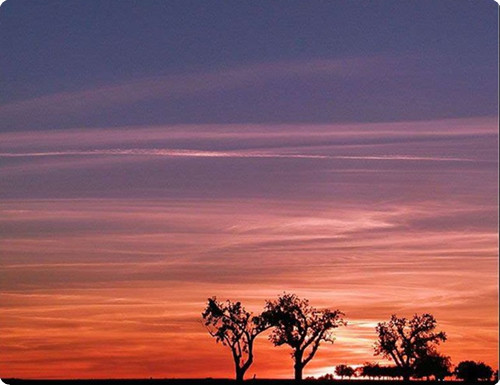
(155, 154)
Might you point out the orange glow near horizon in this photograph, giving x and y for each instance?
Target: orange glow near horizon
(113, 286)
(125, 318)
(157, 154)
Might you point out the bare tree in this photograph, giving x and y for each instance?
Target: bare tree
(405, 341)
(302, 327)
(236, 328)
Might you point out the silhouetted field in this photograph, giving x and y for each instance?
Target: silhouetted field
(209, 381)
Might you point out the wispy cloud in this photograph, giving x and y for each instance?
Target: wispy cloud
(286, 161)
(104, 230)
(317, 90)
(132, 259)
(224, 154)
(172, 86)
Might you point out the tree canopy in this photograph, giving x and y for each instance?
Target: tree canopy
(410, 343)
(433, 365)
(405, 341)
(233, 326)
(472, 371)
(302, 327)
(344, 371)
(376, 371)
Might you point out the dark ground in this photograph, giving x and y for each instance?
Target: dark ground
(210, 381)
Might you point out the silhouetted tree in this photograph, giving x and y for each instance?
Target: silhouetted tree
(358, 372)
(471, 371)
(391, 371)
(376, 371)
(235, 327)
(302, 327)
(434, 365)
(344, 371)
(369, 370)
(405, 341)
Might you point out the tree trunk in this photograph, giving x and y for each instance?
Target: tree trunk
(242, 366)
(298, 371)
(406, 372)
(298, 366)
(239, 374)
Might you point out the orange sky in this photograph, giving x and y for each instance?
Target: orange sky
(154, 154)
(109, 255)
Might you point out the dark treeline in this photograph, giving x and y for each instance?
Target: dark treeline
(410, 343)
(216, 381)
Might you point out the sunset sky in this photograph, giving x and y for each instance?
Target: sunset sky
(157, 153)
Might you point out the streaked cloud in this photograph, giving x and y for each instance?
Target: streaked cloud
(175, 86)
(111, 271)
(105, 230)
(227, 154)
(348, 89)
(155, 154)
